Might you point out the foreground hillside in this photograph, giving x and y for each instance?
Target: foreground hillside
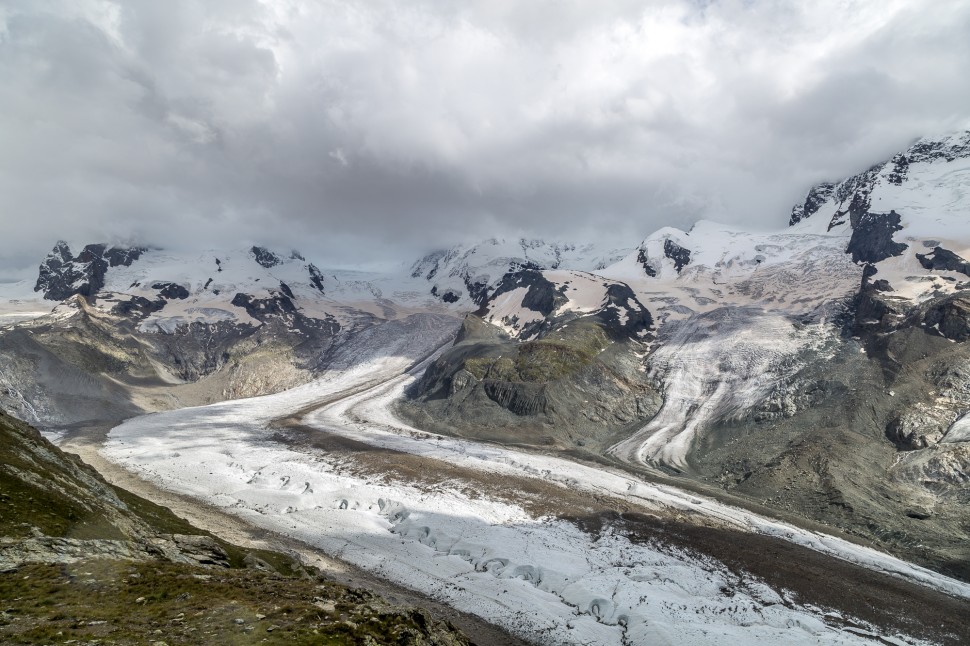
(68, 538)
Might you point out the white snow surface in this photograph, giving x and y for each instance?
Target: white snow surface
(791, 272)
(486, 262)
(539, 577)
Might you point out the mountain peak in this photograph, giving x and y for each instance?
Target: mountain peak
(920, 163)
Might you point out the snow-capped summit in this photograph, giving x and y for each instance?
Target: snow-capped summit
(897, 213)
(473, 272)
(166, 289)
(62, 274)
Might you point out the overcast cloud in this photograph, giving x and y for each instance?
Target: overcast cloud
(361, 130)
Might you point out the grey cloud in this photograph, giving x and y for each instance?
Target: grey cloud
(362, 130)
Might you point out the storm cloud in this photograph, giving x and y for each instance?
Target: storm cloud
(359, 131)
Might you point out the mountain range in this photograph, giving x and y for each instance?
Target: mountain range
(819, 371)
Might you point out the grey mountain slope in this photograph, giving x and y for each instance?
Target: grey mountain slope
(852, 422)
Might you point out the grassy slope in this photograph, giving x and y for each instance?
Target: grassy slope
(125, 602)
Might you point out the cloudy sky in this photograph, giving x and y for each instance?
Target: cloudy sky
(361, 130)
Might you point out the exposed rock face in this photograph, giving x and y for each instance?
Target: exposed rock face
(950, 316)
(171, 290)
(316, 277)
(879, 313)
(265, 257)
(919, 427)
(261, 308)
(63, 275)
(624, 316)
(944, 259)
(123, 256)
(644, 261)
(816, 197)
(137, 307)
(542, 295)
(872, 236)
(446, 295)
(678, 254)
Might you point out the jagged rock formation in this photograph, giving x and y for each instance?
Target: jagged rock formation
(63, 275)
(678, 254)
(267, 258)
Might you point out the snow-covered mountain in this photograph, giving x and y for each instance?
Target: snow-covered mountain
(168, 289)
(473, 272)
(820, 368)
(181, 318)
(171, 288)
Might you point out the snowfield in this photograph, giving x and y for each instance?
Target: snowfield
(542, 578)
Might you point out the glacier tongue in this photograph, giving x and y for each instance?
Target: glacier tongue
(716, 366)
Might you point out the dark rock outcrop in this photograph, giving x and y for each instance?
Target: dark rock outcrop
(680, 255)
(872, 236)
(542, 296)
(817, 196)
(278, 308)
(137, 306)
(447, 296)
(950, 316)
(900, 168)
(518, 398)
(260, 308)
(624, 316)
(316, 277)
(645, 263)
(941, 259)
(123, 256)
(265, 257)
(171, 290)
(63, 275)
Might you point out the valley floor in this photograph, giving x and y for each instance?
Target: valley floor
(551, 550)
